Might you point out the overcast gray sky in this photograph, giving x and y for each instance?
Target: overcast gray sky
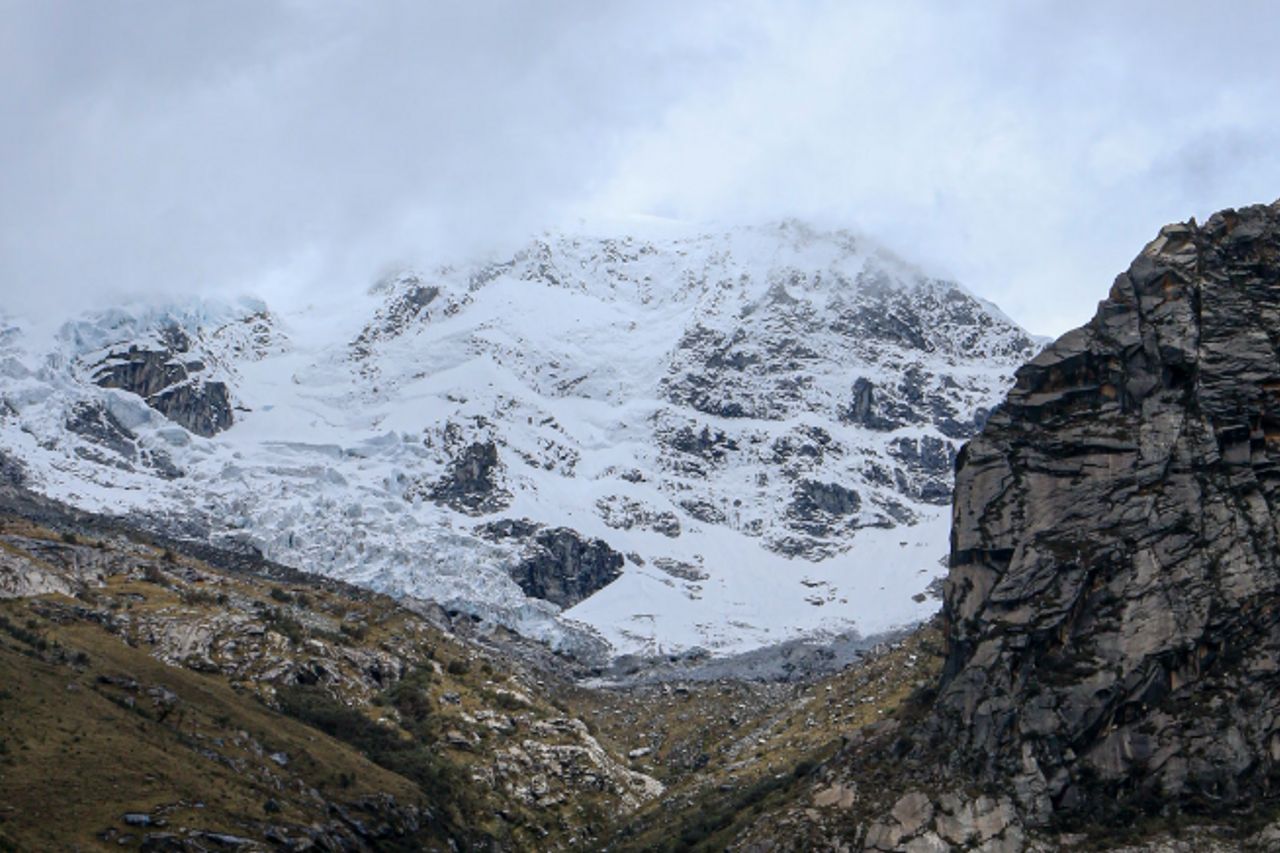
(1027, 148)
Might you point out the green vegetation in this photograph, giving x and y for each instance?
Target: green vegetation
(411, 696)
(458, 666)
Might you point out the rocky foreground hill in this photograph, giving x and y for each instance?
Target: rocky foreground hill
(152, 699)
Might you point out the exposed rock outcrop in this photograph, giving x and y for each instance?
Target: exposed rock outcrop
(12, 471)
(565, 568)
(819, 509)
(170, 383)
(926, 468)
(1112, 611)
(624, 513)
(765, 364)
(95, 423)
(408, 305)
(471, 483)
(546, 772)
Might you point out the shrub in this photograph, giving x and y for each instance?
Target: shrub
(441, 782)
(199, 597)
(458, 666)
(282, 623)
(354, 630)
(319, 710)
(411, 697)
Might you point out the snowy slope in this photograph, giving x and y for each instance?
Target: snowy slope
(759, 422)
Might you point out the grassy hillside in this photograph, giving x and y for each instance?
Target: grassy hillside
(92, 730)
(155, 699)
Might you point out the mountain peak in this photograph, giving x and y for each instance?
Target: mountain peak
(751, 422)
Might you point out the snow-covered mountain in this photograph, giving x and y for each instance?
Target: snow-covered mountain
(718, 440)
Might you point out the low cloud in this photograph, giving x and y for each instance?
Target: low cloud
(1028, 149)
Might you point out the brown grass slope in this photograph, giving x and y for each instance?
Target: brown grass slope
(219, 707)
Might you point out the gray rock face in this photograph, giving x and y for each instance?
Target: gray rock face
(170, 384)
(508, 528)
(926, 465)
(829, 498)
(408, 306)
(623, 513)
(1111, 609)
(765, 365)
(820, 509)
(912, 402)
(95, 423)
(814, 379)
(471, 483)
(565, 568)
(12, 472)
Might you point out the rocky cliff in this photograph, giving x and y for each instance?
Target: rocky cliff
(1110, 617)
(170, 382)
(1112, 604)
(564, 568)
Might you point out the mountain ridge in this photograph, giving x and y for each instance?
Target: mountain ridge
(768, 407)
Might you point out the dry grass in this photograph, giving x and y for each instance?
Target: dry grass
(77, 758)
(762, 764)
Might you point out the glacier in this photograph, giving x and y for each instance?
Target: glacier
(759, 421)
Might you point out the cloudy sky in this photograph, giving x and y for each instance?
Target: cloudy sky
(1027, 148)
